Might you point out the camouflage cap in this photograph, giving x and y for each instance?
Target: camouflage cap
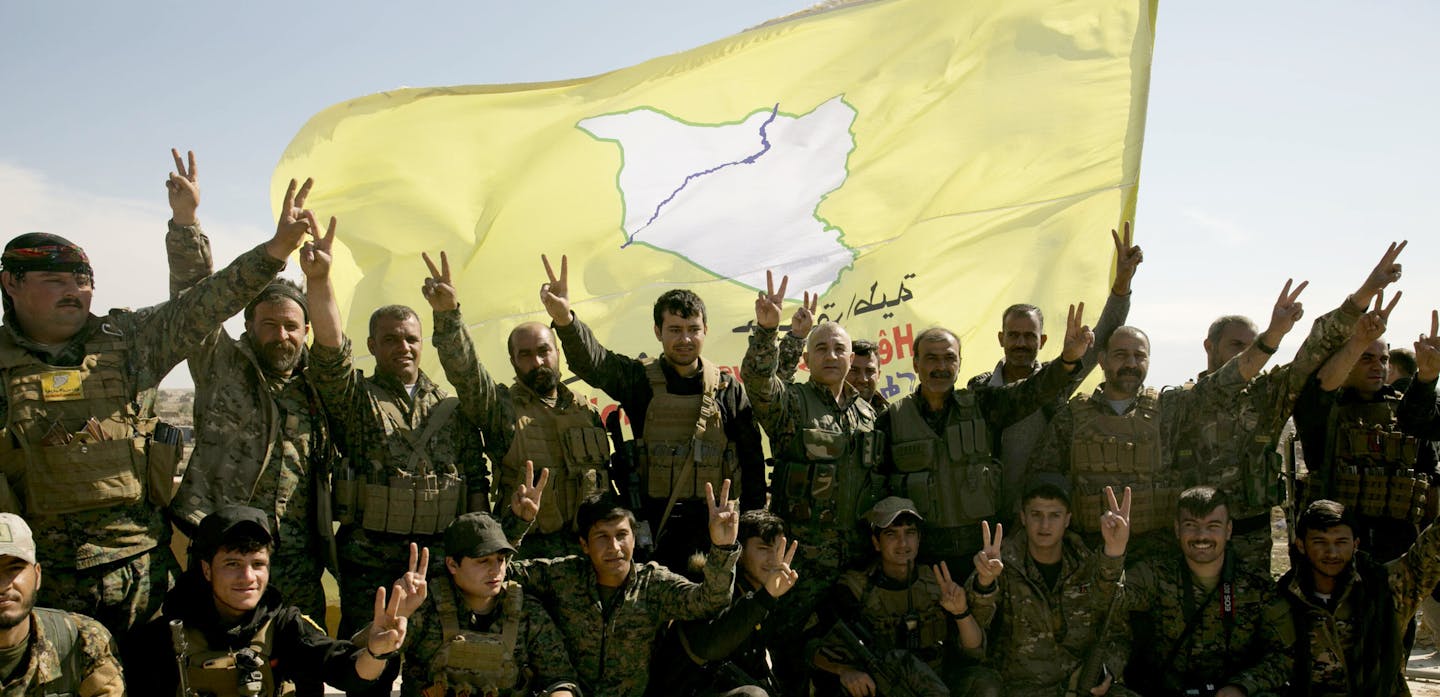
(223, 524)
(475, 535)
(16, 540)
(885, 512)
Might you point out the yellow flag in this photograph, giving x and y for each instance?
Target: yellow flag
(915, 162)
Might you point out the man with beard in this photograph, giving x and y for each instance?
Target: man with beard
(261, 437)
(414, 459)
(44, 651)
(1343, 614)
(1022, 336)
(1199, 618)
(1124, 434)
(938, 449)
(692, 423)
(79, 445)
(1237, 450)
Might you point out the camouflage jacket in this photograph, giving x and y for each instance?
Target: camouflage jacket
(159, 337)
(93, 657)
(1331, 649)
(1419, 411)
(792, 348)
(1038, 636)
(610, 641)
(539, 651)
(1224, 647)
(623, 379)
(1229, 448)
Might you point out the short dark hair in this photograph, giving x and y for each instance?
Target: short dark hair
(399, 313)
(762, 524)
(600, 508)
(1047, 491)
(280, 289)
(681, 303)
(1404, 360)
(1023, 308)
(862, 348)
(1322, 515)
(243, 540)
(935, 334)
(1200, 501)
(1218, 327)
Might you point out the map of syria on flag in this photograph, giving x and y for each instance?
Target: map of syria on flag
(912, 162)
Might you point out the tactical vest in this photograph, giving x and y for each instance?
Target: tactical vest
(476, 663)
(1228, 450)
(226, 673)
(951, 477)
(423, 499)
(824, 476)
(63, 637)
(1374, 463)
(685, 444)
(1113, 450)
(75, 439)
(571, 443)
(909, 619)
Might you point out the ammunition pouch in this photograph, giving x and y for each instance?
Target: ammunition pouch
(1374, 492)
(834, 483)
(477, 663)
(1151, 508)
(952, 478)
(163, 462)
(405, 505)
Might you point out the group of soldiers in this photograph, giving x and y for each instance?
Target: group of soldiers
(866, 557)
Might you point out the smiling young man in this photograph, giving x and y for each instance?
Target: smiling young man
(677, 403)
(238, 631)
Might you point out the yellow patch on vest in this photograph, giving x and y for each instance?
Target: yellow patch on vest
(62, 385)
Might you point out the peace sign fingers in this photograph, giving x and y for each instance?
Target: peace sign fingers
(724, 518)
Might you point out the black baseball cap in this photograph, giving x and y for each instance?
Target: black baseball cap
(475, 535)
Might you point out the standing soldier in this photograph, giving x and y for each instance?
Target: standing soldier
(1022, 336)
(79, 455)
(414, 460)
(692, 423)
(260, 433)
(864, 372)
(1236, 450)
(938, 445)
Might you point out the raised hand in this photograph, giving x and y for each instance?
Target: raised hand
(414, 582)
(724, 515)
(952, 596)
(1115, 523)
(555, 294)
(182, 190)
(290, 231)
(1427, 351)
(782, 578)
(439, 290)
(1127, 258)
(1371, 325)
(1288, 308)
(1386, 272)
(804, 318)
(315, 256)
(987, 561)
(1078, 335)
(767, 304)
(525, 504)
(387, 629)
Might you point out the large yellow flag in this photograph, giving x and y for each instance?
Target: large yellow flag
(916, 162)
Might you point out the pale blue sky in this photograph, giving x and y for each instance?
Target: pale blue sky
(1284, 138)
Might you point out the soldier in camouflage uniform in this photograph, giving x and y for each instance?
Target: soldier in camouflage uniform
(610, 608)
(105, 548)
(261, 437)
(44, 651)
(692, 422)
(1236, 450)
(1042, 598)
(1022, 336)
(1342, 614)
(864, 364)
(413, 453)
(1200, 616)
(479, 631)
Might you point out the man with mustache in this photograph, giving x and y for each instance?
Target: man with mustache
(692, 423)
(1124, 434)
(79, 446)
(1022, 336)
(261, 437)
(1200, 618)
(44, 651)
(414, 459)
(1237, 450)
(938, 448)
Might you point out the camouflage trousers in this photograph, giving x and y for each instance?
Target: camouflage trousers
(824, 554)
(297, 576)
(121, 595)
(370, 560)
